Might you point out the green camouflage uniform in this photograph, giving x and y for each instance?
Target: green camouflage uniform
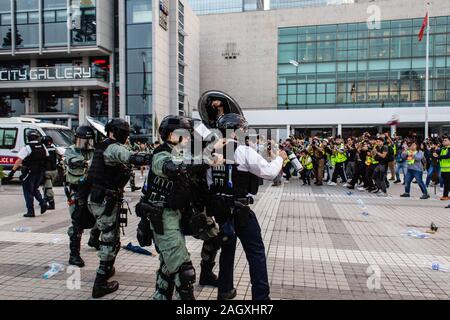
(107, 222)
(49, 177)
(172, 244)
(73, 177)
(132, 174)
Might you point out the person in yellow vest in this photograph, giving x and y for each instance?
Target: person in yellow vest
(413, 156)
(444, 162)
(339, 158)
(306, 161)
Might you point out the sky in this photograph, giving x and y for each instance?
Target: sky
(267, 5)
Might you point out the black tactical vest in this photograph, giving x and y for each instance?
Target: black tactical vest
(35, 162)
(227, 179)
(158, 188)
(110, 177)
(51, 162)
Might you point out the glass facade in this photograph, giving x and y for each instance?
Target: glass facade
(202, 7)
(83, 22)
(27, 23)
(26, 15)
(55, 23)
(58, 102)
(350, 66)
(284, 4)
(139, 65)
(12, 105)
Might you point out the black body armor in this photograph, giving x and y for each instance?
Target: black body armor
(51, 162)
(227, 179)
(35, 162)
(158, 188)
(109, 177)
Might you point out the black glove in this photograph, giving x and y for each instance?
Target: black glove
(10, 176)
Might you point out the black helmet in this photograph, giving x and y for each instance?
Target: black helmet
(33, 135)
(47, 140)
(171, 123)
(85, 132)
(119, 128)
(232, 121)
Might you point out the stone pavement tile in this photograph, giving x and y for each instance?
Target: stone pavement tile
(318, 244)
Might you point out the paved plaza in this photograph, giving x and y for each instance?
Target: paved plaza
(319, 246)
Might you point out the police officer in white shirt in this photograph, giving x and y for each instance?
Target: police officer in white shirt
(32, 158)
(232, 186)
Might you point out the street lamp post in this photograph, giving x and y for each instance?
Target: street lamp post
(296, 64)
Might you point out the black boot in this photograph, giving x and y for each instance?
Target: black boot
(101, 285)
(75, 244)
(227, 295)
(29, 215)
(207, 277)
(44, 207)
(94, 241)
(51, 205)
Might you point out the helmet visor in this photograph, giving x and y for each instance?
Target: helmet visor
(84, 144)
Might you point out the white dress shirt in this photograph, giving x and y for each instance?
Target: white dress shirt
(248, 160)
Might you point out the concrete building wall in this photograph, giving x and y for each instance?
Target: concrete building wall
(161, 67)
(251, 78)
(122, 59)
(192, 59)
(105, 24)
(173, 71)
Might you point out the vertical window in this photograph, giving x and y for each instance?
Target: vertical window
(139, 65)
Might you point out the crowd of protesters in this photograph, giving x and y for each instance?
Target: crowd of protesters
(370, 163)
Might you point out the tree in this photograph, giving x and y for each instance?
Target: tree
(7, 40)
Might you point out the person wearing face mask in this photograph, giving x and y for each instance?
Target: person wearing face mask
(76, 162)
(232, 186)
(108, 174)
(166, 203)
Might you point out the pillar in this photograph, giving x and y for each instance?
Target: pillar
(83, 106)
(339, 130)
(393, 130)
(288, 131)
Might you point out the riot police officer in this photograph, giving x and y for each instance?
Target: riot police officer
(107, 176)
(50, 173)
(232, 185)
(31, 159)
(167, 203)
(76, 161)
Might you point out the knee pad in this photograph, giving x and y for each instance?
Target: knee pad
(187, 274)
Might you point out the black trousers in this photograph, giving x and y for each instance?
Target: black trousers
(359, 174)
(446, 178)
(369, 175)
(379, 175)
(253, 245)
(339, 170)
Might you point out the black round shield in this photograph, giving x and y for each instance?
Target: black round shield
(208, 114)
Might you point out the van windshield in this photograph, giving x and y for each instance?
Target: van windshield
(61, 137)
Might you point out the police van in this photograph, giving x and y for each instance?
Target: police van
(13, 136)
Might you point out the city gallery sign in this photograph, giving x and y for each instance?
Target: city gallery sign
(52, 73)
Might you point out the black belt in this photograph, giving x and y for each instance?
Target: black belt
(108, 192)
(231, 200)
